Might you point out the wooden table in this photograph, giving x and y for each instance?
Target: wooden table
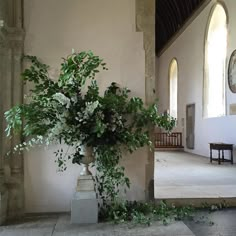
(221, 147)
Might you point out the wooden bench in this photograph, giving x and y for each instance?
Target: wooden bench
(221, 147)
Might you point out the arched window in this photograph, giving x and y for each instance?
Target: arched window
(215, 62)
(173, 87)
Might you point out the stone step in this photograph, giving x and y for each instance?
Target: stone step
(200, 202)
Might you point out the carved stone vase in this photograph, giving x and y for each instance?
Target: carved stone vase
(85, 180)
(84, 204)
(88, 158)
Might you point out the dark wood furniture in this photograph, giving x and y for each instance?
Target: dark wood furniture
(166, 140)
(221, 147)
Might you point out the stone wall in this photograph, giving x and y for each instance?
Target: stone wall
(53, 28)
(188, 49)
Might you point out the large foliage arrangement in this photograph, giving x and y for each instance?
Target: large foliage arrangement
(67, 111)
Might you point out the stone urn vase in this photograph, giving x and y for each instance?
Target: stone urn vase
(85, 180)
(88, 158)
(84, 204)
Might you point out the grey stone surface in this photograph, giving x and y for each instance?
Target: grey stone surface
(3, 206)
(145, 23)
(30, 226)
(180, 175)
(84, 208)
(219, 223)
(26, 232)
(85, 183)
(105, 229)
(11, 50)
(85, 195)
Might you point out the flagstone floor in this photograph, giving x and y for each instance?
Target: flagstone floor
(184, 175)
(177, 175)
(219, 223)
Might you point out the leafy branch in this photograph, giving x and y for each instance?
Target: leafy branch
(63, 110)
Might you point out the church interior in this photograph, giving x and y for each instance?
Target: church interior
(181, 52)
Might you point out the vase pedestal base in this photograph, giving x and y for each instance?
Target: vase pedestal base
(84, 204)
(85, 183)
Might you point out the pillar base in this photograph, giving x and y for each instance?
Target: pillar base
(84, 204)
(84, 208)
(3, 206)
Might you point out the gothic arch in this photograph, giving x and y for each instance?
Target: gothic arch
(207, 78)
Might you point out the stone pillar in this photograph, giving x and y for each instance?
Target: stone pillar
(16, 183)
(145, 22)
(14, 13)
(4, 52)
(11, 49)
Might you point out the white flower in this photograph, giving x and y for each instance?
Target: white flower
(57, 129)
(90, 108)
(61, 98)
(74, 99)
(46, 121)
(71, 81)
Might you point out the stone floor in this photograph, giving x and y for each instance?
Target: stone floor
(219, 223)
(185, 175)
(177, 175)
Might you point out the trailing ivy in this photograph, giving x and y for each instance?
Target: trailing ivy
(145, 213)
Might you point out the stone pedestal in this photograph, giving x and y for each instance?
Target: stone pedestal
(84, 204)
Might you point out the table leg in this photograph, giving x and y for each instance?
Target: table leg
(223, 158)
(210, 155)
(219, 157)
(232, 159)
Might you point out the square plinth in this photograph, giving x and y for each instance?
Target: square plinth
(84, 208)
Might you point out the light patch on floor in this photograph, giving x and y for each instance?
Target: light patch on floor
(185, 175)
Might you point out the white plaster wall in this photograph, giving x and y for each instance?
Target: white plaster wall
(53, 28)
(188, 49)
